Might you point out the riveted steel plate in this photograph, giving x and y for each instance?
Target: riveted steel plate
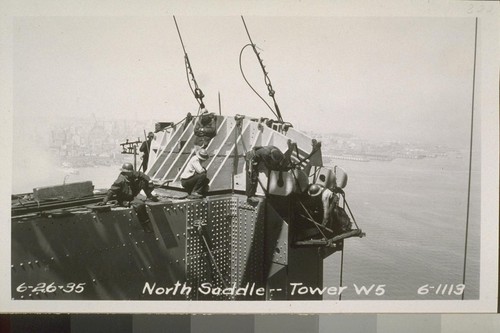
(111, 257)
(276, 236)
(277, 282)
(208, 249)
(305, 265)
(107, 254)
(248, 243)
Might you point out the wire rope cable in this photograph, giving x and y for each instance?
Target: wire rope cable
(248, 83)
(341, 268)
(197, 93)
(267, 80)
(470, 161)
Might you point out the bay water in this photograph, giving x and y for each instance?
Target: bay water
(414, 213)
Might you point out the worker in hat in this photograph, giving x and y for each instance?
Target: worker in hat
(194, 177)
(145, 148)
(125, 190)
(269, 157)
(327, 201)
(204, 129)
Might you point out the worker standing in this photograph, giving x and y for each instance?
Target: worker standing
(145, 149)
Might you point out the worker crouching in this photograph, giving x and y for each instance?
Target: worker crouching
(324, 203)
(125, 189)
(204, 130)
(194, 178)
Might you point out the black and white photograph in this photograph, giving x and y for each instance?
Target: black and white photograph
(321, 163)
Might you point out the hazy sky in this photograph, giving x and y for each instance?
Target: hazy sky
(399, 79)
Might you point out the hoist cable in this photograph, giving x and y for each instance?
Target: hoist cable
(197, 93)
(470, 160)
(187, 78)
(350, 212)
(251, 87)
(341, 268)
(267, 80)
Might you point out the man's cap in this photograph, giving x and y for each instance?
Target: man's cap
(314, 190)
(277, 155)
(151, 135)
(202, 154)
(127, 167)
(205, 119)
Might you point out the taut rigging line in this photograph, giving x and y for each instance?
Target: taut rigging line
(470, 158)
(267, 80)
(198, 94)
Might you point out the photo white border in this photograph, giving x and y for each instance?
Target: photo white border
(487, 99)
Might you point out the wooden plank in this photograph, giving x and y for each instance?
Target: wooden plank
(64, 192)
